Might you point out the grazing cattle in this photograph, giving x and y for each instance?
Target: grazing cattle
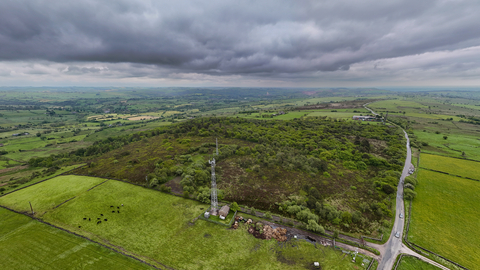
(98, 222)
(98, 218)
(89, 219)
(105, 219)
(118, 207)
(79, 226)
(113, 211)
(111, 205)
(122, 204)
(84, 218)
(101, 215)
(118, 212)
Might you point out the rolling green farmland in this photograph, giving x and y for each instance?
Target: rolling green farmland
(454, 166)
(45, 196)
(454, 145)
(29, 244)
(156, 227)
(16, 179)
(412, 263)
(445, 217)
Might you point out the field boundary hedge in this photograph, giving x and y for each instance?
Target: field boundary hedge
(86, 238)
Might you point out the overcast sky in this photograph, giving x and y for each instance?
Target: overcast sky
(239, 43)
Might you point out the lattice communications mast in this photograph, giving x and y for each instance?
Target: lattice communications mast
(214, 199)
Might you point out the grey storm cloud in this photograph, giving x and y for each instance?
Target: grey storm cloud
(224, 37)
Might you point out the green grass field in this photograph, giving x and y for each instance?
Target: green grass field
(156, 227)
(29, 244)
(46, 195)
(454, 145)
(412, 263)
(445, 217)
(12, 184)
(465, 168)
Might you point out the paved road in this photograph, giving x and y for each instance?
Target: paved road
(394, 244)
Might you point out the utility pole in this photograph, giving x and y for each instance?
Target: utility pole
(216, 143)
(31, 208)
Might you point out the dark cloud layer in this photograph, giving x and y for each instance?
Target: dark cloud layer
(260, 38)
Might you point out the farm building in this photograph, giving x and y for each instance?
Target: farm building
(224, 211)
(364, 118)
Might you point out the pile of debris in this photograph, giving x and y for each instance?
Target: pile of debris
(267, 232)
(261, 231)
(280, 234)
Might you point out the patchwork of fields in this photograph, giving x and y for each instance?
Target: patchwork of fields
(445, 217)
(157, 228)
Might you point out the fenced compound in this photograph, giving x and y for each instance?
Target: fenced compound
(229, 224)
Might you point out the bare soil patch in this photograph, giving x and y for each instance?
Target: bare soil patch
(175, 185)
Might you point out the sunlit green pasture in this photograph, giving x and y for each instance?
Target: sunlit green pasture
(454, 145)
(47, 195)
(454, 166)
(445, 217)
(28, 244)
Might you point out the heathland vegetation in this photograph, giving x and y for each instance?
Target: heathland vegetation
(338, 173)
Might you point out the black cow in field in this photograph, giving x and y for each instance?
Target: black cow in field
(113, 211)
(105, 219)
(118, 212)
(84, 218)
(98, 222)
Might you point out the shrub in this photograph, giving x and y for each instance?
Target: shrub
(409, 194)
(350, 165)
(388, 188)
(306, 215)
(315, 227)
(203, 195)
(166, 189)
(234, 207)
